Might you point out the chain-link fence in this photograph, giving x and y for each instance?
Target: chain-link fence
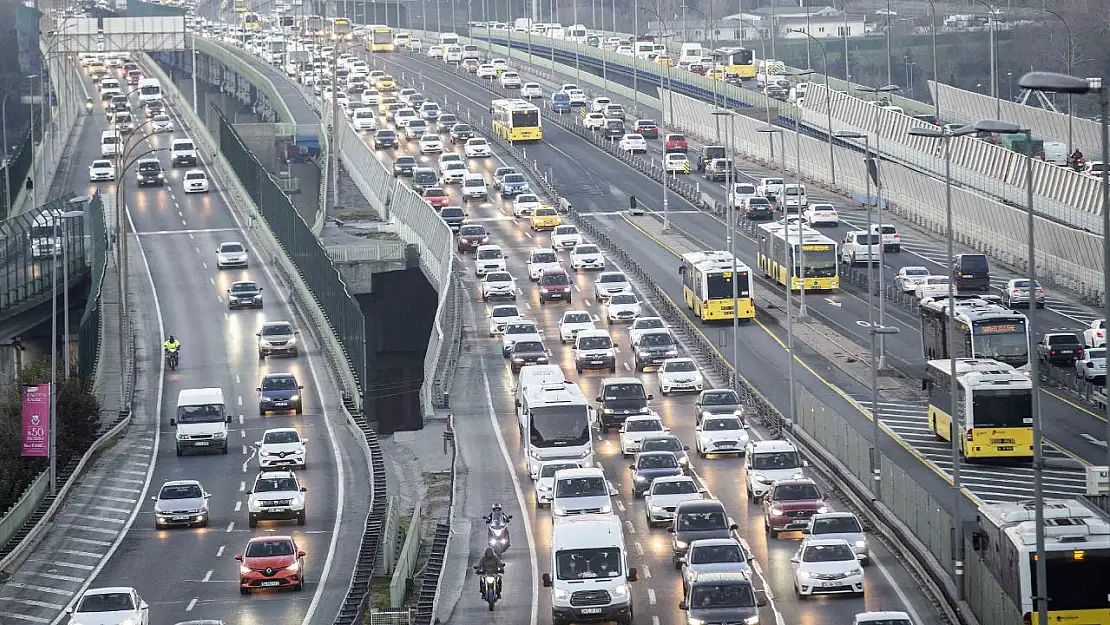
(302, 247)
(18, 166)
(89, 337)
(32, 246)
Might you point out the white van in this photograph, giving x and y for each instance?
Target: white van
(149, 89)
(767, 70)
(859, 246)
(741, 191)
(554, 419)
(581, 491)
(690, 53)
(110, 143)
(537, 376)
(589, 571)
(201, 420)
(794, 198)
(452, 54)
(448, 39)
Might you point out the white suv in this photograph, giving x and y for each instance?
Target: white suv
(276, 495)
(767, 462)
(859, 247)
(565, 237)
(474, 187)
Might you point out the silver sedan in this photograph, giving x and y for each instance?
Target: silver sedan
(1017, 294)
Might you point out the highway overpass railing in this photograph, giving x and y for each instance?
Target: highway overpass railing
(246, 70)
(30, 244)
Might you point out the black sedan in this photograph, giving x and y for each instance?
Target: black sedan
(404, 166)
(461, 132)
(244, 294)
(650, 465)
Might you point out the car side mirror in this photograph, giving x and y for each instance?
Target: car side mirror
(173, 422)
(632, 466)
(144, 605)
(545, 580)
(633, 574)
(154, 499)
(760, 598)
(805, 463)
(734, 527)
(598, 399)
(227, 419)
(301, 554)
(805, 530)
(69, 610)
(300, 388)
(682, 605)
(685, 448)
(795, 560)
(304, 489)
(650, 397)
(249, 492)
(671, 530)
(207, 495)
(239, 557)
(258, 334)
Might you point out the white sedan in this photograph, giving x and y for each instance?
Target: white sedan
(636, 429)
(910, 277)
(573, 322)
(622, 307)
(231, 254)
(565, 237)
(281, 447)
(932, 286)
(610, 283)
(679, 374)
(477, 147)
(821, 215)
(594, 121)
(525, 204)
(431, 144)
(664, 496)
(511, 80)
(721, 434)
(363, 119)
(498, 284)
(196, 181)
(826, 559)
(101, 170)
(676, 163)
(161, 123)
(633, 144)
(486, 71)
(118, 604)
(531, 90)
(501, 316)
(586, 256)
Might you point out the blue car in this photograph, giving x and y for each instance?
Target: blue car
(650, 465)
(560, 102)
(513, 184)
(279, 392)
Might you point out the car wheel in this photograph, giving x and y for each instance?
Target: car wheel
(300, 518)
(261, 411)
(579, 369)
(300, 585)
(243, 590)
(179, 450)
(299, 410)
(252, 520)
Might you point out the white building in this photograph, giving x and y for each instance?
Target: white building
(825, 22)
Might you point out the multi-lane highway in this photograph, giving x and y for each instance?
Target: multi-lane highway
(601, 186)
(657, 594)
(191, 574)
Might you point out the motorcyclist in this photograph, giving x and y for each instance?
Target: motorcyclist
(497, 516)
(1076, 159)
(490, 564)
(89, 104)
(171, 344)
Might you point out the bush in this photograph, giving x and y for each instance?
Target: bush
(78, 421)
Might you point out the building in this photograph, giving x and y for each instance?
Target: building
(824, 22)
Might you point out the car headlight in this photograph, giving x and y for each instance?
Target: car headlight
(639, 478)
(243, 569)
(267, 399)
(559, 593)
(293, 567)
(803, 574)
(642, 354)
(220, 434)
(776, 511)
(645, 410)
(752, 620)
(685, 460)
(681, 544)
(294, 397)
(655, 508)
(671, 353)
(861, 544)
(518, 359)
(694, 621)
(606, 509)
(560, 511)
(621, 590)
(822, 510)
(607, 410)
(854, 572)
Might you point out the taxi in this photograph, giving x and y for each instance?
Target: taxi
(545, 218)
(97, 67)
(716, 73)
(385, 83)
(665, 60)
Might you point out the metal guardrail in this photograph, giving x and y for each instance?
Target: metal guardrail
(216, 51)
(21, 510)
(378, 251)
(406, 562)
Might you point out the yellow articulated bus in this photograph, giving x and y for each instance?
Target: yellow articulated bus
(707, 286)
(341, 28)
(252, 21)
(814, 256)
(516, 120)
(739, 61)
(1077, 548)
(379, 39)
(996, 402)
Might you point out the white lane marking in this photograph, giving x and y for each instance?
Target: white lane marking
(631, 528)
(518, 491)
(207, 576)
(157, 422)
(620, 505)
(655, 620)
(238, 506)
(897, 590)
(230, 526)
(651, 596)
(639, 548)
(237, 381)
(239, 399)
(242, 486)
(646, 571)
(192, 603)
(220, 551)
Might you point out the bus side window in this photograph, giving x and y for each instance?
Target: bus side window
(682, 269)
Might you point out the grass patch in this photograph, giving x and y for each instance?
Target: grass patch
(379, 597)
(359, 212)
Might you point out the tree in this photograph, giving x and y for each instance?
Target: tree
(78, 422)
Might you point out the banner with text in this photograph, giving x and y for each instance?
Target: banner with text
(36, 420)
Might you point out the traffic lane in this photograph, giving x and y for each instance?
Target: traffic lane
(220, 353)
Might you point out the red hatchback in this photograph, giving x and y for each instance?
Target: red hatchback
(788, 506)
(436, 197)
(554, 284)
(675, 143)
(271, 562)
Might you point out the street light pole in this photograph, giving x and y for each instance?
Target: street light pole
(994, 60)
(828, 104)
(663, 112)
(789, 281)
(936, 74)
(1070, 60)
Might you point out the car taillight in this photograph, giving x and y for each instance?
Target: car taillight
(969, 436)
(1079, 352)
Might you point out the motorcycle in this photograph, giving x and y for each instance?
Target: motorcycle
(171, 359)
(497, 533)
(1077, 163)
(491, 586)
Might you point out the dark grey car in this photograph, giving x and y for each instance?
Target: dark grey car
(695, 520)
(653, 348)
(244, 294)
(717, 401)
(722, 598)
(668, 442)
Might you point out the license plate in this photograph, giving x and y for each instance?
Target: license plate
(277, 509)
(200, 443)
(271, 583)
(595, 362)
(179, 518)
(591, 610)
(829, 584)
(1005, 448)
(725, 446)
(281, 404)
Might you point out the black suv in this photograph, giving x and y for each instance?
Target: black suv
(619, 399)
(404, 166)
(972, 272)
(385, 139)
(424, 178)
(1059, 348)
(655, 347)
(461, 132)
(149, 172)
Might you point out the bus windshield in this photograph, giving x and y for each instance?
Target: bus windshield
(382, 37)
(818, 263)
(1005, 342)
(524, 119)
(718, 286)
(1010, 408)
(559, 426)
(1063, 573)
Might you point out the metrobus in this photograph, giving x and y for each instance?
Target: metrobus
(814, 256)
(516, 120)
(739, 61)
(995, 402)
(341, 27)
(983, 329)
(1077, 548)
(240, 6)
(252, 21)
(379, 39)
(707, 283)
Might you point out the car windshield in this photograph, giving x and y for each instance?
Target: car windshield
(594, 342)
(578, 317)
(548, 470)
(624, 391)
(472, 230)
(195, 175)
(915, 271)
(1095, 354)
(611, 278)
(942, 280)
(276, 329)
(796, 492)
(150, 167)
(702, 521)
(680, 366)
(506, 311)
(656, 461)
(107, 602)
(662, 443)
(498, 276)
(527, 199)
(775, 460)
(1024, 284)
(267, 548)
(451, 212)
(588, 563)
(544, 257)
(180, 491)
(713, 554)
(244, 287)
(586, 249)
(436, 192)
(836, 525)
(582, 487)
(514, 179)
(528, 346)
(657, 339)
(460, 128)
(563, 230)
(275, 484)
(624, 298)
(204, 413)
(281, 437)
(521, 328)
(406, 160)
(474, 142)
(643, 425)
(723, 424)
(231, 248)
(678, 487)
(709, 596)
(828, 553)
(283, 383)
(489, 254)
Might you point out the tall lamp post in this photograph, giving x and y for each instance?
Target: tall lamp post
(65, 217)
(994, 59)
(1070, 85)
(54, 344)
(946, 136)
(730, 216)
(1070, 60)
(936, 73)
(828, 96)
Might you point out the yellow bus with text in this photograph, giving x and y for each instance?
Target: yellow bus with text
(739, 61)
(516, 120)
(252, 21)
(708, 280)
(379, 39)
(811, 254)
(995, 403)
